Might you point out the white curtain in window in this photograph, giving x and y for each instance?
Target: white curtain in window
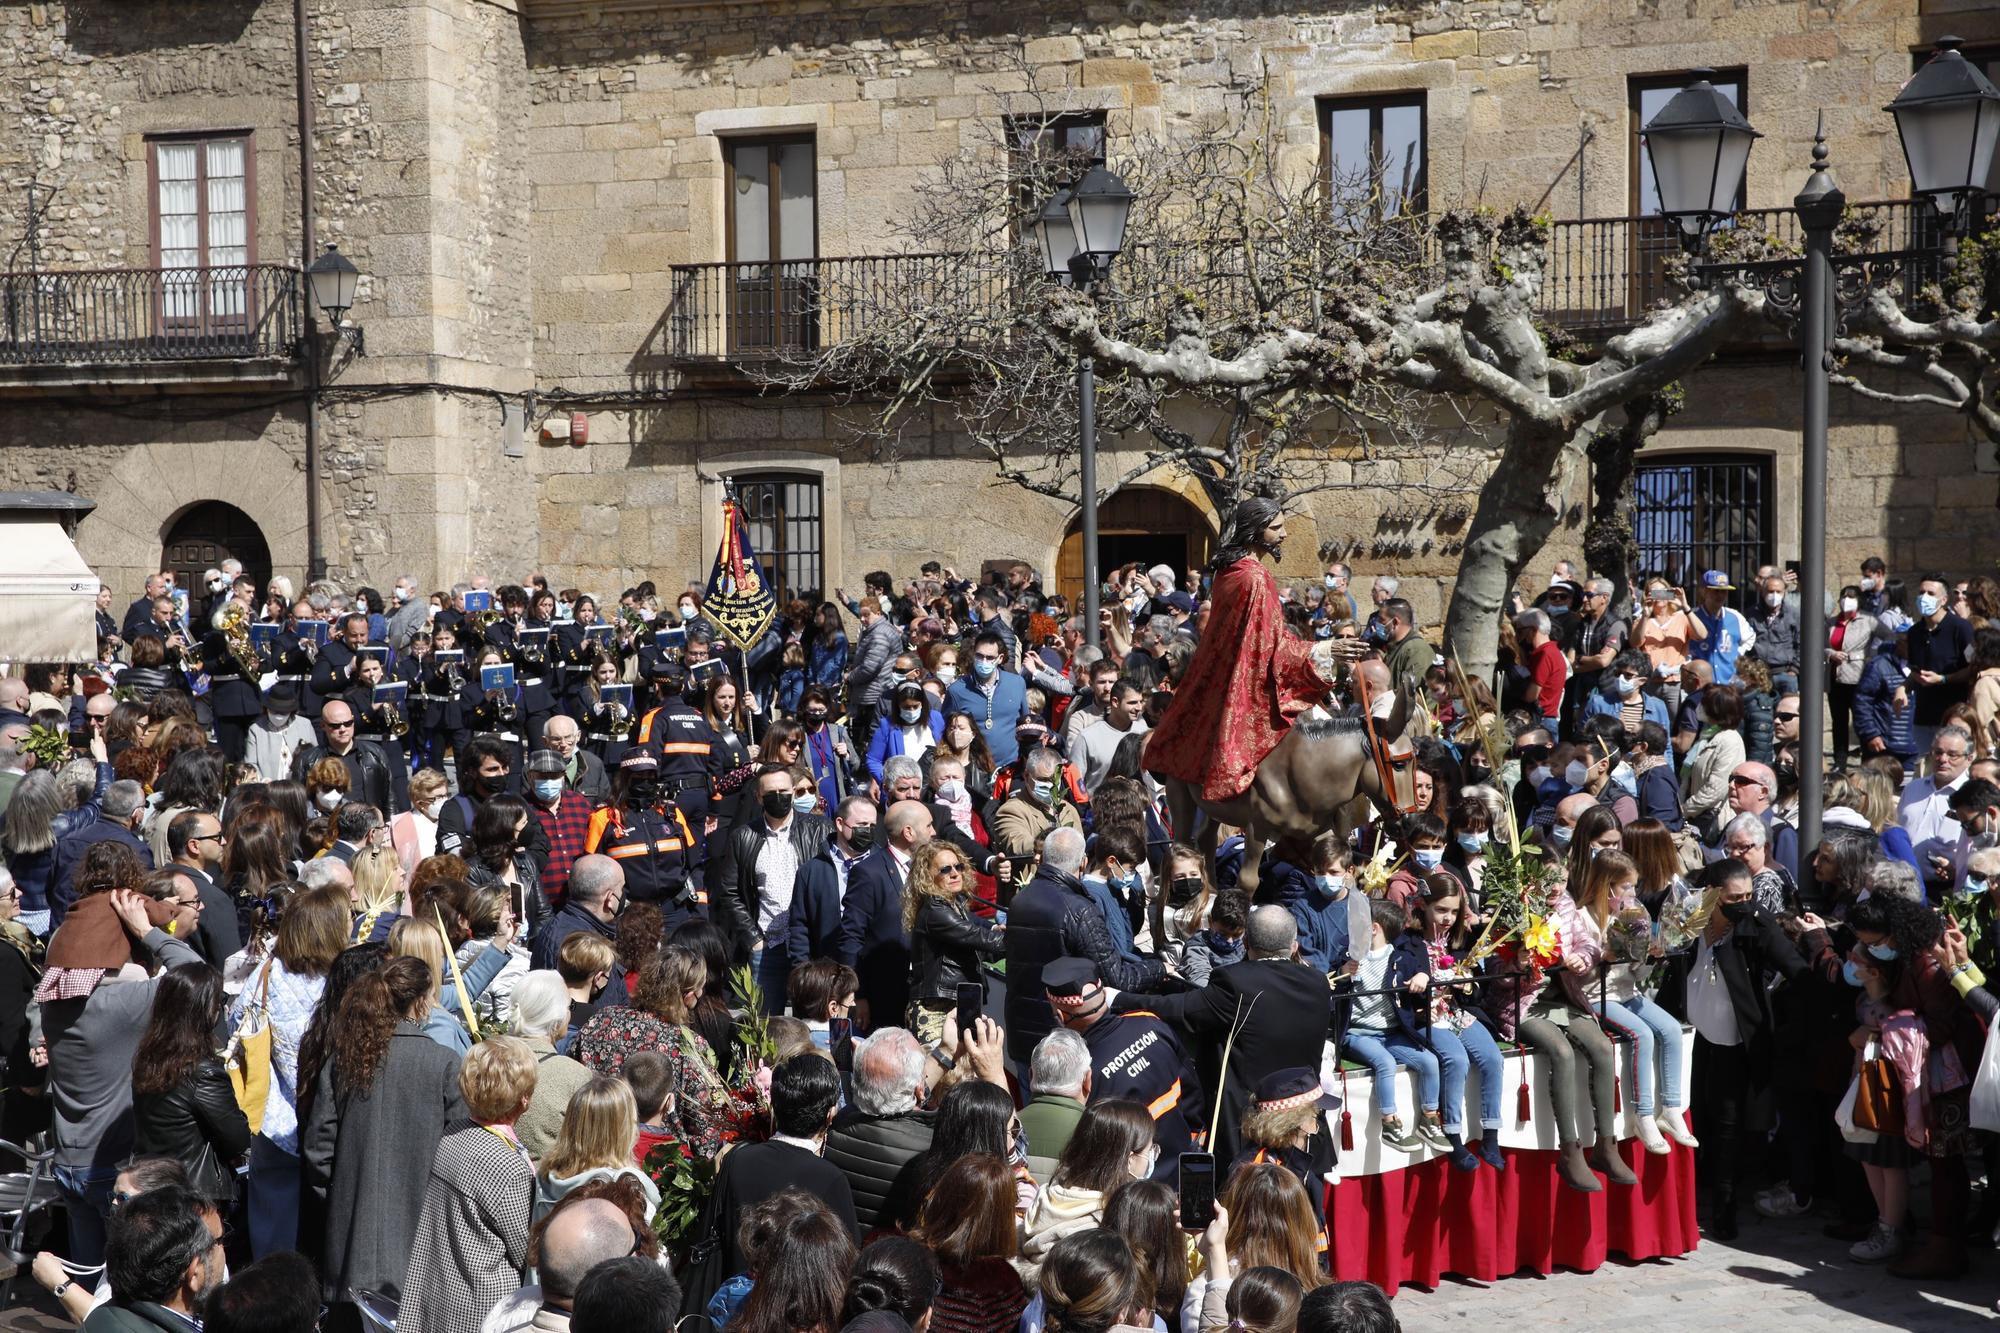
(180, 226)
(228, 216)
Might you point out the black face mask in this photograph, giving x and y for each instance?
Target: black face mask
(486, 786)
(1741, 911)
(1183, 890)
(862, 839)
(645, 792)
(777, 804)
(814, 721)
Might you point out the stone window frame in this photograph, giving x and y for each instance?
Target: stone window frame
(766, 462)
(1375, 103)
(776, 555)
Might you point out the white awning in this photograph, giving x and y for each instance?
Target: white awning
(48, 595)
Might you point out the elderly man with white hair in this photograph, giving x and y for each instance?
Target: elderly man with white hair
(1753, 790)
(877, 1140)
(1059, 1084)
(1054, 917)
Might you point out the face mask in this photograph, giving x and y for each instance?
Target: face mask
(1624, 777)
(1850, 974)
(401, 595)
(432, 809)
(1329, 886)
(1429, 858)
(687, 611)
(1884, 952)
(1927, 605)
(1848, 606)
(1739, 911)
(814, 721)
(1538, 775)
(951, 791)
(910, 716)
(983, 667)
(1774, 600)
(1187, 888)
(1628, 686)
(548, 789)
(777, 804)
(645, 792)
(804, 804)
(1868, 584)
(947, 673)
(1044, 792)
(1559, 836)
(327, 800)
(1577, 773)
(1474, 843)
(862, 839)
(1333, 582)
(884, 602)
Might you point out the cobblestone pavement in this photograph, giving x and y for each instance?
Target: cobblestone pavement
(1776, 1274)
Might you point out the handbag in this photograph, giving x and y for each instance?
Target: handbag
(248, 1058)
(1878, 1100)
(1687, 844)
(1843, 1116)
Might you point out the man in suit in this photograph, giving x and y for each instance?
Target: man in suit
(583, 772)
(352, 824)
(195, 844)
(821, 887)
(872, 939)
(1282, 1005)
(139, 615)
(118, 818)
(805, 1093)
(1735, 1051)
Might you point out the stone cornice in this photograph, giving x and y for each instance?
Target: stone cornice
(533, 10)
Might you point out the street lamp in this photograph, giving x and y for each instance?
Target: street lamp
(1948, 117)
(1699, 144)
(335, 281)
(1081, 230)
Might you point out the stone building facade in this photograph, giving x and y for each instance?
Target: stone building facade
(524, 184)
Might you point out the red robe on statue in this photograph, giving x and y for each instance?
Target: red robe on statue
(1247, 682)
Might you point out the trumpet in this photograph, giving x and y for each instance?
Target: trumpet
(397, 725)
(236, 633)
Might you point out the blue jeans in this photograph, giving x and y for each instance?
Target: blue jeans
(271, 1198)
(1654, 1031)
(86, 1192)
(774, 972)
(1456, 1050)
(1382, 1053)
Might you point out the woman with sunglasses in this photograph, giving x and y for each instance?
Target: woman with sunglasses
(947, 942)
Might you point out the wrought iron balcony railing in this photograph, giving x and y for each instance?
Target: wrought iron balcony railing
(138, 315)
(1601, 276)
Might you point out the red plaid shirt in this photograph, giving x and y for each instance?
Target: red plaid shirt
(567, 826)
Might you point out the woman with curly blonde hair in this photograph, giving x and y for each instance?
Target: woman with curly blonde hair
(947, 942)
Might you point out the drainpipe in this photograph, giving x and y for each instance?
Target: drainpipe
(308, 247)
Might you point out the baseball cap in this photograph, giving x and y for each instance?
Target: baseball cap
(1715, 578)
(546, 761)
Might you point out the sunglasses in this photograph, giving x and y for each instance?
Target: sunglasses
(950, 868)
(1787, 717)
(1740, 781)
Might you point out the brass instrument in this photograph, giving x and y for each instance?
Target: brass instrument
(236, 633)
(398, 725)
(480, 621)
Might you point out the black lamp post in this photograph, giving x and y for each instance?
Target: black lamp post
(1948, 117)
(1081, 230)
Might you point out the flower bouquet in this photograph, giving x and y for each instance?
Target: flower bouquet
(1683, 916)
(1628, 935)
(1963, 911)
(685, 1181)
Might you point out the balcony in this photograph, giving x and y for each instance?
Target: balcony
(1602, 275)
(177, 327)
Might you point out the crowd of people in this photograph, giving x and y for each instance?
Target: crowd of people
(500, 961)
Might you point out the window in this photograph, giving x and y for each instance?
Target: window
(1377, 144)
(773, 230)
(1049, 151)
(781, 512)
(1703, 511)
(1647, 97)
(204, 217)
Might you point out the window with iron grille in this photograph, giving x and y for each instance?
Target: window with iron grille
(1697, 512)
(1379, 140)
(782, 514)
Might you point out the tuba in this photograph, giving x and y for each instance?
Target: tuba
(236, 633)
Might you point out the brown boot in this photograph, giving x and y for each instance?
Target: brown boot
(1938, 1257)
(1575, 1172)
(1605, 1157)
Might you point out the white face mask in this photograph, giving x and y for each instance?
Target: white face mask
(1849, 605)
(327, 800)
(1774, 600)
(1868, 584)
(947, 673)
(432, 809)
(1628, 685)
(1538, 775)
(1577, 773)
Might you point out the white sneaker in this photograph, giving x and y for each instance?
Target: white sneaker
(1878, 1245)
(1676, 1128)
(1649, 1137)
(1779, 1190)
(1782, 1204)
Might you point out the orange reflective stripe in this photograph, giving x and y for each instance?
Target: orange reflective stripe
(667, 845)
(628, 851)
(684, 747)
(1166, 1101)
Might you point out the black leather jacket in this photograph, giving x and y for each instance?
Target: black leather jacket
(947, 947)
(374, 766)
(198, 1122)
(1054, 918)
(732, 893)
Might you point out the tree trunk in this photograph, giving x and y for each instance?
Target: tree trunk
(1513, 521)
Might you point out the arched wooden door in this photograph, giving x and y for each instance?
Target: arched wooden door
(204, 536)
(1143, 524)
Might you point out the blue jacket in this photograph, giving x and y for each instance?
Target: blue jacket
(872, 939)
(1607, 702)
(34, 872)
(1322, 924)
(814, 931)
(826, 664)
(1659, 796)
(889, 740)
(1407, 958)
(1009, 708)
(1874, 702)
(69, 856)
(1115, 914)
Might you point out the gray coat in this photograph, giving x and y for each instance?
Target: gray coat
(367, 1155)
(472, 1240)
